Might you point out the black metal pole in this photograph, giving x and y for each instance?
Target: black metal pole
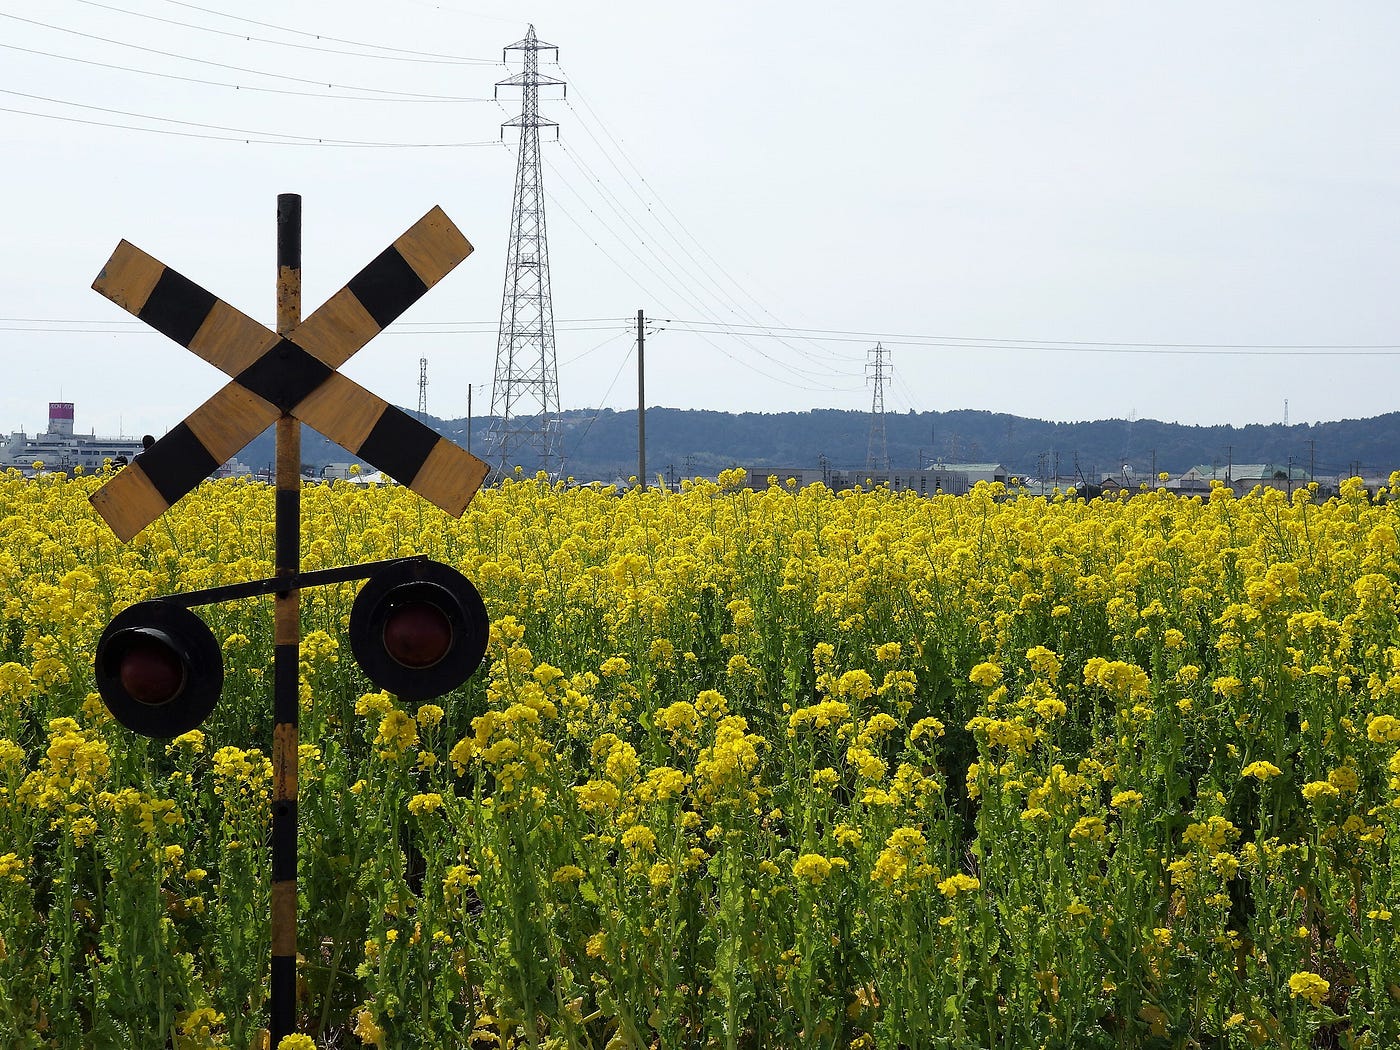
(287, 654)
(641, 403)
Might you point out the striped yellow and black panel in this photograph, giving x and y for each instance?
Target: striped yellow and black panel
(233, 342)
(426, 253)
(392, 441)
(213, 433)
(273, 375)
(208, 437)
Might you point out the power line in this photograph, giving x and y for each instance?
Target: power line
(274, 138)
(603, 324)
(651, 246)
(432, 99)
(742, 287)
(558, 206)
(210, 62)
(599, 410)
(1066, 346)
(818, 356)
(595, 348)
(439, 60)
(401, 328)
(691, 300)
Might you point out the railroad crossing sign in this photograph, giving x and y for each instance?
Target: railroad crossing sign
(293, 374)
(418, 628)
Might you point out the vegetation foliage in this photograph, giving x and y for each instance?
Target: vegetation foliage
(743, 769)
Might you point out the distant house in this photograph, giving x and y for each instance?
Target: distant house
(974, 472)
(1190, 482)
(337, 472)
(1242, 477)
(951, 479)
(1113, 484)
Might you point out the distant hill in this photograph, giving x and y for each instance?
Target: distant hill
(602, 444)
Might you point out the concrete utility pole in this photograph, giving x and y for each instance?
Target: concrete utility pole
(641, 401)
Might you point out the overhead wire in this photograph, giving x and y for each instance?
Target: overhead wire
(555, 202)
(741, 287)
(1079, 346)
(642, 240)
(700, 269)
(582, 324)
(594, 349)
(218, 65)
(400, 327)
(275, 138)
(652, 244)
(616, 207)
(397, 54)
(428, 100)
(599, 410)
(337, 40)
(289, 44)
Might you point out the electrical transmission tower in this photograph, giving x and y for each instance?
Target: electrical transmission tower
(877, 455)
(525, 420)
(422, 390)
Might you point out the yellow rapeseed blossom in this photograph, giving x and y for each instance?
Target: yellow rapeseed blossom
(11, 867)
(812, 867)
(428, 716)
(420, 805)
(1383, 729)
(639, 839)
(1102, 656)
(985, 674)
(397, 732)
(902, 861)
(367, 1030)
(959, 883)
(1318, 790)
(1309, 986)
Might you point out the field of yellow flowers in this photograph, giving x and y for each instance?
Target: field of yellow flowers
(743, 769)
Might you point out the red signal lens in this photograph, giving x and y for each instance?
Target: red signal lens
(151, 670)
(417, 634)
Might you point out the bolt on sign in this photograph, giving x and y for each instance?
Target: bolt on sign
(418, 628)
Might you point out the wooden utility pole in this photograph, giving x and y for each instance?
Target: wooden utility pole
(641, 402)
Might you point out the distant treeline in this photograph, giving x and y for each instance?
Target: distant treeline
(602, 445)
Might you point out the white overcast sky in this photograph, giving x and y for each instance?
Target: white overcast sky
(1069, 210)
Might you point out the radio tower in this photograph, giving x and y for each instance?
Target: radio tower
(525, 393)
(422, 390)
(877, 455)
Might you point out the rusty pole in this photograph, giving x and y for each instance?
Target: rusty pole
(287, 652)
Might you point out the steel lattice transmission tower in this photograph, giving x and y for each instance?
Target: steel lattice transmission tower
(422, 389)
(525, 420)
(877, 454)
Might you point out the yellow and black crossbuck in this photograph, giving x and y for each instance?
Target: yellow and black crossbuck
(297, 375)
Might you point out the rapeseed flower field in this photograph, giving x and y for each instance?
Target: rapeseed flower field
(769, 768)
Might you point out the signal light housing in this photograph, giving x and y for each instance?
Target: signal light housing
(158, 669)
(418, 629)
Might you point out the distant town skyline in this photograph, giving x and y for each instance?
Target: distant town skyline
(1079, 212)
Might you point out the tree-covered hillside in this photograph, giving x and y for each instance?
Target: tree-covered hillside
(602, 445)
